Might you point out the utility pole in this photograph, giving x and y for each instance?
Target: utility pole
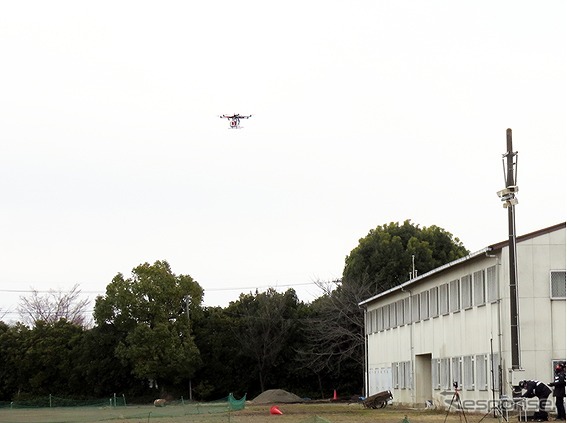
(187, 303)
(509, 201)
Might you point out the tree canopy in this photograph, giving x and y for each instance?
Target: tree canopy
(267, 326)
(387, 256)
(152, 309)
(151, 329)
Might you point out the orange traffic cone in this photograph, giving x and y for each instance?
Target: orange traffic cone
(275, 410)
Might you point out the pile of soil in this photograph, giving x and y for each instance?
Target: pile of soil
(272, 396)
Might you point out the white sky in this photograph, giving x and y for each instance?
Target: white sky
(364, 112)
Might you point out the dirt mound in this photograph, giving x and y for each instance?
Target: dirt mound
(276, 396)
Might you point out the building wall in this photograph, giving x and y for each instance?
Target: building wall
(419, 359)
(542, 320)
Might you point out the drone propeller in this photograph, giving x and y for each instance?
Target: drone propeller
(236, 116)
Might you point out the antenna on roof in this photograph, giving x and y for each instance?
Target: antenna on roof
(413, 273)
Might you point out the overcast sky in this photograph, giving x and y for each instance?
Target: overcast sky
(365, 112)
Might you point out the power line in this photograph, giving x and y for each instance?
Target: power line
(10, 310)
(260, 286)
(28, 291)
(48, 291)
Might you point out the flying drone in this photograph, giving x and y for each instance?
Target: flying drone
(235, 120)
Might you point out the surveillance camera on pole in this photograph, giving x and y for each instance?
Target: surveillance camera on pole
(509, 202)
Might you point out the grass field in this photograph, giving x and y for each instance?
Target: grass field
(292, 413)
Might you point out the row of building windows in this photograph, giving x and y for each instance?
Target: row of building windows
(471, 290)
(470, 372)
(480, 372)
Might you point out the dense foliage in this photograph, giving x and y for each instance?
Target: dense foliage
(388, 255)
(152, 337)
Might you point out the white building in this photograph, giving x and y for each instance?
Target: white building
(453, 324)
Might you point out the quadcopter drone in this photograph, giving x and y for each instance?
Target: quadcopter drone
(235, 120)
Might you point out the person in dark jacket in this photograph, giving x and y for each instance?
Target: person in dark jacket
(558, 385)
(535, 388)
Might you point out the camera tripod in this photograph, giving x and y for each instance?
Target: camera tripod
(497, 409)
(457, 399)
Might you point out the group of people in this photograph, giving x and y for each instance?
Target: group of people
(535, 388)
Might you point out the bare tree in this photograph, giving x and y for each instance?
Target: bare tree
(53, 306)
(336, 330)
(3, 314)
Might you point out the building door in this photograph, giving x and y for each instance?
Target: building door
(422, 378)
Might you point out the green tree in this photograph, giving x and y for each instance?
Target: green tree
(10, 350)
(266, 328)
(153, 310)
(387, 256)
(98, 372)
(220, 350)
(383, 259)
(39, 360)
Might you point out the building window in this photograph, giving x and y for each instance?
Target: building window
(433, 302)
(481, 379)
(468, 370)
(400, 312)
(415, 308)
(436, 373)
(445, 373)
(454, 296)
(424, 303)
(402, 375)
(374, 320)
(395, 375)
(444, 299)
(407, 311)
(557, 281)
(377, 320)
(407, 374)
(466, 291)
(393, 322)
(457, 370)
(491, 284)
(479, 289)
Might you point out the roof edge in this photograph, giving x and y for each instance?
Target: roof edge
(502, 244)
(426, 275)
(492, 247)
